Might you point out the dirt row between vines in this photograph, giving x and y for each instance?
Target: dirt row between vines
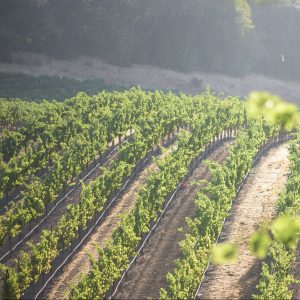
(148, 274)
(255, 204)
(80, 261)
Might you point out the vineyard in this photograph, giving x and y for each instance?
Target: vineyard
(127, 195)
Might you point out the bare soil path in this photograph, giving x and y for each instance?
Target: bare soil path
(255, 204)
(80, 261)
(148, 275)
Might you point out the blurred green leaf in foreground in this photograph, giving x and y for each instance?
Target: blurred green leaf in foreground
(273, 109)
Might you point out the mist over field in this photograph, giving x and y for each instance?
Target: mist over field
(136, 42)
(211, 36)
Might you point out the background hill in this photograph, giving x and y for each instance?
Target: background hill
(220, 36)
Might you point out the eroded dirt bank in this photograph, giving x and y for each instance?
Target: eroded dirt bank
(148, 77)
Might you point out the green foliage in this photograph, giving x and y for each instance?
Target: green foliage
(278, 240)
(153, 116)
(150, 199)
(286, 230)
(244, 15)
(77, 131)
(274, 109)
(213, 204)
(123, 33)
(11, 289)
(259, 243)
(244, 11)
(276, 275)
(35, 88)
(224, 254)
